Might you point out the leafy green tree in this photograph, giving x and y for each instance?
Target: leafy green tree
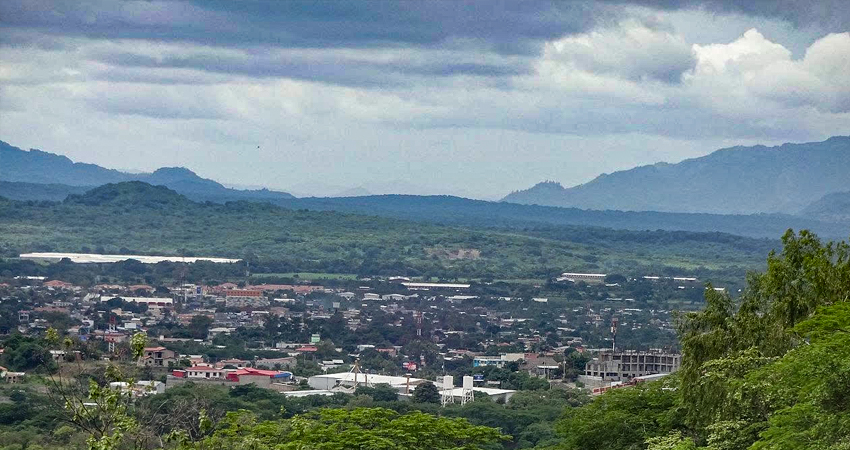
(379, 392)
(426, 392)
(21, 353)
(338, 429)
(199, 326)
(622, 419)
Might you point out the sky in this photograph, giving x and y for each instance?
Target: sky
(472, 98)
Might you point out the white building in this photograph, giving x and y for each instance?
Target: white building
(205, 372)
(349, 379)
(586, 277)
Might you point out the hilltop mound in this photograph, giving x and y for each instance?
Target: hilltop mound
(131, 194)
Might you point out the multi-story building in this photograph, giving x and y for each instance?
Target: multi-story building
(157, 357)
(619, 365)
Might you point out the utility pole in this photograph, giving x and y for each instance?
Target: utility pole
(613, 335)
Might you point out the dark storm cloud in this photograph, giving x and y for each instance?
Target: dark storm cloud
(502, 26)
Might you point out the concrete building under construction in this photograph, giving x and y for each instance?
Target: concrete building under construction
(622, 365)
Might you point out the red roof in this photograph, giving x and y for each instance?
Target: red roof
(306, 349)
(252, 371)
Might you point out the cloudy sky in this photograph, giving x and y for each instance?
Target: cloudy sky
(475, 98)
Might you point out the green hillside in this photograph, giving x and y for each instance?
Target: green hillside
(139, 218)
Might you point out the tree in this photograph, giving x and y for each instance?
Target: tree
(359, 428)
(25, 354)
(426, 392)
(622, 419)
(379, 392)
(199, 326)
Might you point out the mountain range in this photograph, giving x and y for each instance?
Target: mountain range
(39, 167)
(53, 178)
(736, 180)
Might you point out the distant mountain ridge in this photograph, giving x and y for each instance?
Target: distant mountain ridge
(833, 207)
(39, 167)
(451, 210)
(736, 180)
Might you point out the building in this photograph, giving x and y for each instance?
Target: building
(152, 302)
(139, 388)
(98, 258)
(204, 372)
(11, 377)
(495, 394)
(498, 361)
(586, 277)
(352, 379)
(240, 298)
(259, 377)
(237, 363)
(427, 286)
(622, 365)
(157, 357)
(57, 284)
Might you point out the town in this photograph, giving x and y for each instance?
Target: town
(584, 331)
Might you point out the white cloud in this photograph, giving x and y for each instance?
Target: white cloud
(752, 72)
(633, 50)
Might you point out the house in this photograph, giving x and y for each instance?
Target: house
(271, 363)
(205, 372)
(157, 357)
(57, 355)
(258, 376)
(11, 377)
(238, 363)
(57, 284)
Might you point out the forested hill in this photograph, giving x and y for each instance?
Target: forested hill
(736, 180)
(477, 213)
(37, 167)
(135, 217)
